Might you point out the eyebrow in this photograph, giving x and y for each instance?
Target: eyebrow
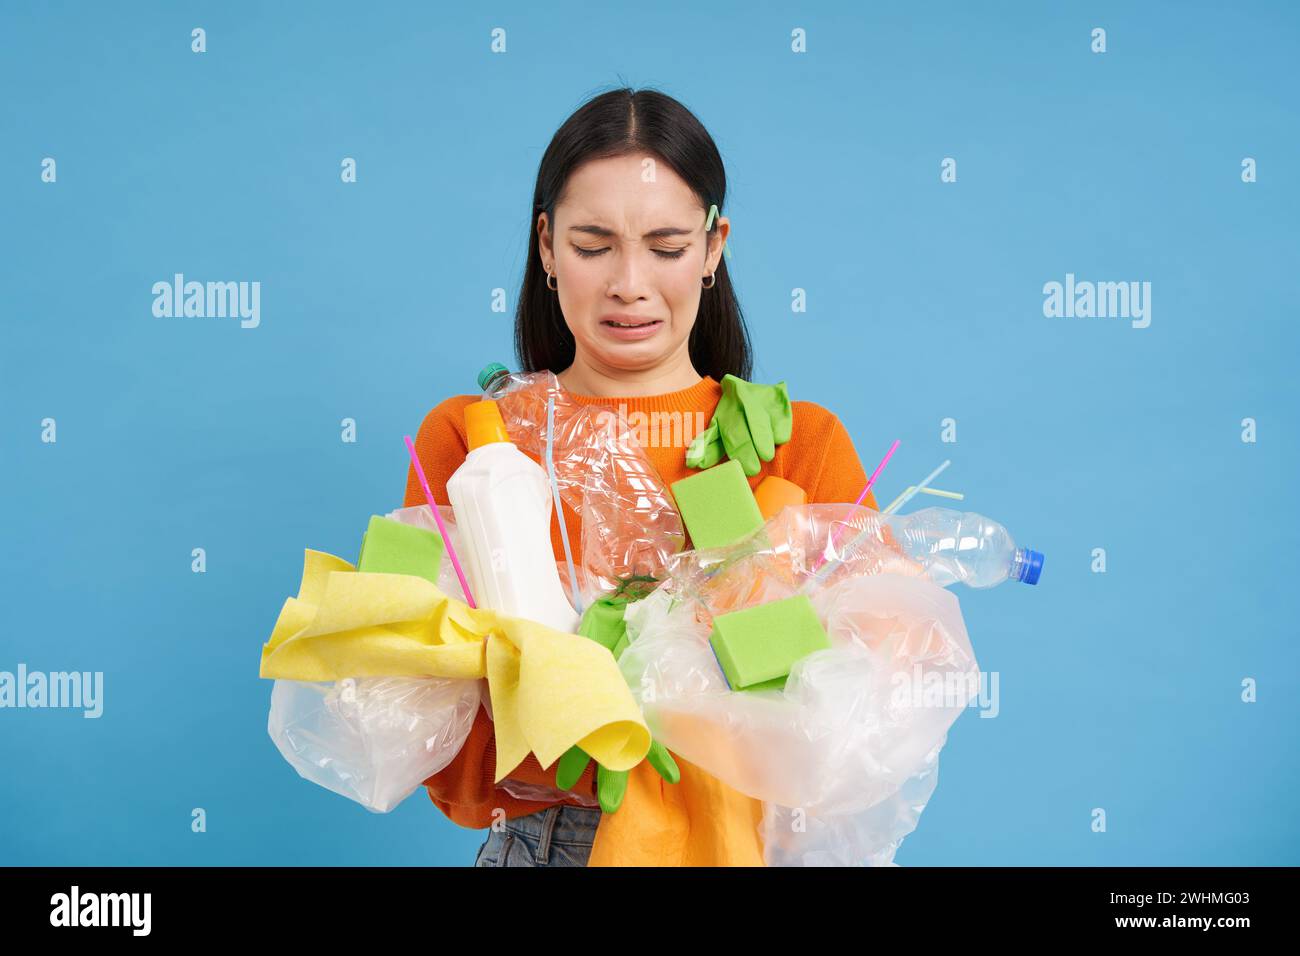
(601, 231)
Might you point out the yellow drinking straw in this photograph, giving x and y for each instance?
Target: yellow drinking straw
(911, 489)
(906, 496)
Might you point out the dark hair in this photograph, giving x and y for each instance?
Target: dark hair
(617, 123)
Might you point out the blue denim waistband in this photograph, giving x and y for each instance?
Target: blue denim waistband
(562, 823)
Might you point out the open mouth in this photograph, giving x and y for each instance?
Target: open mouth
(631, 325)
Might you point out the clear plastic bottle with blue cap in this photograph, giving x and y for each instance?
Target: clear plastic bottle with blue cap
(942, 544)
(964, 547)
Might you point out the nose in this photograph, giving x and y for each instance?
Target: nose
(626, 275)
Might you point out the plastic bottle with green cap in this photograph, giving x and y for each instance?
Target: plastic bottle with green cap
(492, 376)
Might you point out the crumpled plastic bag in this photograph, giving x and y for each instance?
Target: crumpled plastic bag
(868, 838)
(374, 739)
(846, 730)
(539, 793)
(846, 755)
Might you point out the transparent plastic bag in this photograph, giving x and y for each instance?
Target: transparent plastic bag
(797, 550)
(867, 838)
(851, 743)
(847, 729)
(537, 793)
(373, 740)
(630, 523)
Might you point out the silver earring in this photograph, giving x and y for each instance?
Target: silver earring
(549, 277)
(712, 281)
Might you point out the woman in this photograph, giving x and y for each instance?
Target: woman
(626, 298)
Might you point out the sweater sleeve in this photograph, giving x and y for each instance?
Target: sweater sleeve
(441, 446)
(840, 477)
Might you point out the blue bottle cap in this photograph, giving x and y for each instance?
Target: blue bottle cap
(490, 372)
(1032, 567)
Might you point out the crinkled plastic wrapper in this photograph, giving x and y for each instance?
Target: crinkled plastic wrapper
(375, 740)
(846, 756)
(630, 523)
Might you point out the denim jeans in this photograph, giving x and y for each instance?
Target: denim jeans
(560, 835)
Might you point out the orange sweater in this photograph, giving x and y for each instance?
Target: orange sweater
(654, 825)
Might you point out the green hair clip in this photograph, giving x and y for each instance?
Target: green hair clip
(708, 224)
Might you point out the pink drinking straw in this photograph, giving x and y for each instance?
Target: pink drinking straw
(870, 481)
(437, 516)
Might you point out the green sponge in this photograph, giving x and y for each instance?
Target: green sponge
(758, 645)
(776, 683)
(390, 547)
(717, 505)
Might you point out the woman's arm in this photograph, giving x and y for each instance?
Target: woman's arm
(840, 476)
(441, 446)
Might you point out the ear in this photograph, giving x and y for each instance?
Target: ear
(717, 239)
(544, 236)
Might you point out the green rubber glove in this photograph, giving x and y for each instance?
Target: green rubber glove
(611, 785)
(603, 623)
(750, 421)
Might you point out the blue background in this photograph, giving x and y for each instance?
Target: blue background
(1118, 690)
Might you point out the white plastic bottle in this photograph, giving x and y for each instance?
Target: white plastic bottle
(502, 502)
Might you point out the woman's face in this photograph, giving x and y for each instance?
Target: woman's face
(628, 247)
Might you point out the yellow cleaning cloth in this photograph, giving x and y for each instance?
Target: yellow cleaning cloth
(550, 690)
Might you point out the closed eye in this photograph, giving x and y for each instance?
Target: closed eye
(661, 253)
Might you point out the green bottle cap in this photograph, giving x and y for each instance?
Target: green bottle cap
(490, 372)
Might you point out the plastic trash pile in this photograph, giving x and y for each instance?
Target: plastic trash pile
(814, 661)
